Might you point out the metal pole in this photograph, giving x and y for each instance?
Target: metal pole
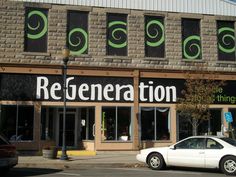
(64, 154)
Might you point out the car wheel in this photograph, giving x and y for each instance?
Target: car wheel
(228, 165)
(156, 161)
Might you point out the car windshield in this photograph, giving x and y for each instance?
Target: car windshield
(229, 140)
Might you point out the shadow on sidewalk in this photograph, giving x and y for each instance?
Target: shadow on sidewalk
(24, 172)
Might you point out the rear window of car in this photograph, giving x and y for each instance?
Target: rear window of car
(229, 140)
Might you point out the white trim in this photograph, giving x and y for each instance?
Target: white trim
(210, 7)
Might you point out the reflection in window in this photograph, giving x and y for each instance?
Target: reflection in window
(17, 122)
(48, 115)
(155, 123)
(193, 143)
(212, 144)
(116, 123)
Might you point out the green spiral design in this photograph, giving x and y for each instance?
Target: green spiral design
(161, 40)
(186, 41)
(45, 27)
(114, 31)
(227, 30)
(85, 45)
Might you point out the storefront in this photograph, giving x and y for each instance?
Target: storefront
(106, 110)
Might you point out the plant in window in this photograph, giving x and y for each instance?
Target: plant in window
(200, 90)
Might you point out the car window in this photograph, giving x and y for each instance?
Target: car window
(229, 140)
(192, 143)
(212, 144)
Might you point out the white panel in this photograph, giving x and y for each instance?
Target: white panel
(214, 7)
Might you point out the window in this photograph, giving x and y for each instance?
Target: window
(154, 37)
(226, 40)
(191, 40)
(77, 32)
(87, 123)
(36, 30)
(212, 144)
(17, 122)
(117, 34)
(47, 122)
(192, 143)
(116, 123)
(211, 126)
(155, 123)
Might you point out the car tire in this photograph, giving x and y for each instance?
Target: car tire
(228, 165)
(156, 162)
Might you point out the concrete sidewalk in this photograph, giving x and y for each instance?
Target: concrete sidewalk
(113, 159)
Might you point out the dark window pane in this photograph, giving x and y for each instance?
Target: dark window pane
(191, 40)
(147, 123)
(226, 40)
(25, 122)
(154, 37)
(124, 120)
(117, 34)
(108, 123)
(8, 121)
(36, 30)
(77, 32)
(163, 124)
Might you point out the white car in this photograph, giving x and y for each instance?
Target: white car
(195, 151)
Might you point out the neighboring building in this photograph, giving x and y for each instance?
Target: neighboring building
(125, 72)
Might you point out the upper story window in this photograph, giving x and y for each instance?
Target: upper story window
(226, 40)
(77, 32)
(191, 40)
(36, 30)
(117, 34)
(154, 37)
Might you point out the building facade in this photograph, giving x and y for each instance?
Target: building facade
(125, 72)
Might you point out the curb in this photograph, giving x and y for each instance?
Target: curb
(80, 166)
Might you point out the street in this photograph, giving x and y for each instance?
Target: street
(111, 172)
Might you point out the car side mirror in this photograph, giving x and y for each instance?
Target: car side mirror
(173, 147)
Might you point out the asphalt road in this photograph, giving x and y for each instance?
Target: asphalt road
(111, 172)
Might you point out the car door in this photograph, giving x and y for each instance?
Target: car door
(188, 153)
(213, 153)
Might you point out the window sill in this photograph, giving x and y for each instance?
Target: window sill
(116, 141)
(36, 54)
(81, 56)
(155, 58)
(117, 57)
(226, 62)
(193, 60)
(157, 141)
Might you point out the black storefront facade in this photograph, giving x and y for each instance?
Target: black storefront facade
(106, 109)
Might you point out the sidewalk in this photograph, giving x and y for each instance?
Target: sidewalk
(112, 159)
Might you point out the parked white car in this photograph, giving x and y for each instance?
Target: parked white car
(195, 151)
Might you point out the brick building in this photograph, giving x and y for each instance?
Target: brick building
(125, 71)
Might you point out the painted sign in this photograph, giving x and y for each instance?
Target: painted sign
(191, 40)
(26, 87)
(36, 30)
(77, 29)
(226, 40)
(154, 37)
(117, 34)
